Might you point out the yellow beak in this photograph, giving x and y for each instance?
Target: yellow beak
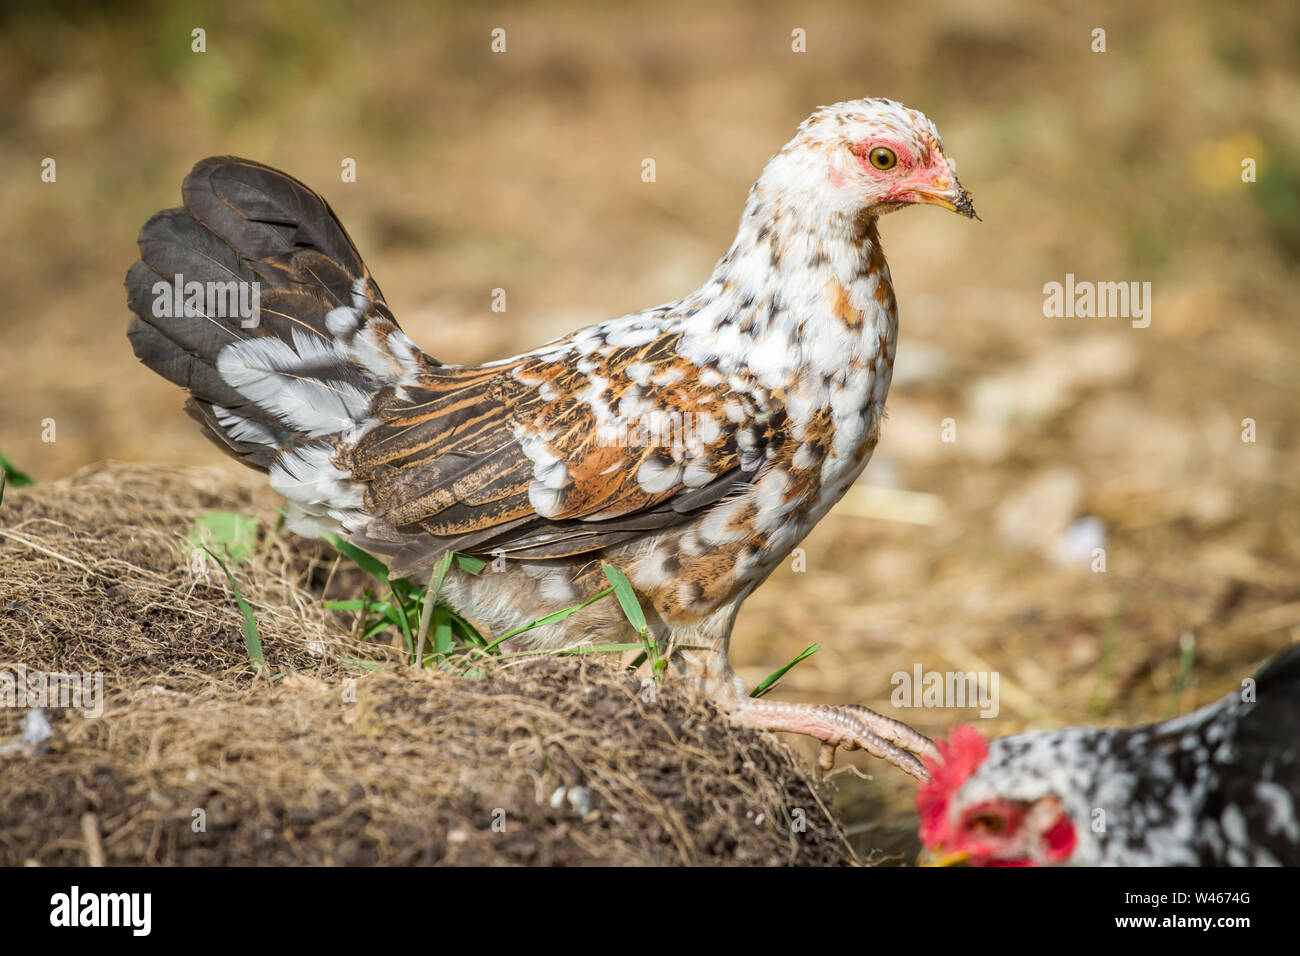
(950, 196)
(942, 858)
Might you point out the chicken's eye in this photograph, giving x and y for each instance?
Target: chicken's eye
(987, 823)
(882, 157)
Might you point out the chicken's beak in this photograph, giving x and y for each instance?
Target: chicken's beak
(949, 194)
(941, 857)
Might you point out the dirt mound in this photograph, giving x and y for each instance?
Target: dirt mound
(348, 757)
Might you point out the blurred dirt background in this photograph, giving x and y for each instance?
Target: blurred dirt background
(522, 171)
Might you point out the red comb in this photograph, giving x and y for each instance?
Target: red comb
(964, 750)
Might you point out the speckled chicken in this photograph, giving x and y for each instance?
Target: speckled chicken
(692, 445)
(1219, 787)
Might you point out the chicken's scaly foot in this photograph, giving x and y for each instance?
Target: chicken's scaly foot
(850, 726)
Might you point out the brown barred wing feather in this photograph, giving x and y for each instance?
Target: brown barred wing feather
(548, 455)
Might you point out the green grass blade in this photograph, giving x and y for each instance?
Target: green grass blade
(549, 619)
(626, 595)
(252, 640)
(352, 605)
(1186, 660)
(369, 562)
(439, 575)
(578, 650)
(404, 622)
(442, 634)
(469, 563)
(230, 532)
(598, 649)
(15, 477)
(466, 631)
(767, 683)
(364, 665)
(377, 628)
(1106, 667)
(632, 610)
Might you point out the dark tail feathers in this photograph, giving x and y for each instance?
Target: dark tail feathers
(284, 342)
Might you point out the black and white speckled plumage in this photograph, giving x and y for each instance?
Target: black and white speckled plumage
(1217, 787)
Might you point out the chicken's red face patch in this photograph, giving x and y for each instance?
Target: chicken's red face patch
(894, 171)
(994, 832)
(964, 751)
(1060, 839)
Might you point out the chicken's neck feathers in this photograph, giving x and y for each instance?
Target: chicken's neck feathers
(801, 293)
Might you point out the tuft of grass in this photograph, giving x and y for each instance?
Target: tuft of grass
(402, 608)
(770, 680)
(455, 641)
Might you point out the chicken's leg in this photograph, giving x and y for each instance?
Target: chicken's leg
(850, 726)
